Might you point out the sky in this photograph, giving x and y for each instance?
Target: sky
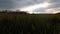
(45, 6)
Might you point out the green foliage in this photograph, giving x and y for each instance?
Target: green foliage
(35, 24)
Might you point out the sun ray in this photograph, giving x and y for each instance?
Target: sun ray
(32, 7)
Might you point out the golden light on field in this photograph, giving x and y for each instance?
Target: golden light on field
(32, 7)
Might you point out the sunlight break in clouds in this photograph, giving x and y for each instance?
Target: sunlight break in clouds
(53, 10)
(32, 7)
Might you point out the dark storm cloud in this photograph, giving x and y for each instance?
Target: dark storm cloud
(55, 3)
(7, 4)
(11, 4)
(23, 3)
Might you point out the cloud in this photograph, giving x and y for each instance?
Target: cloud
(39, 10)
(7, 4)
(53, 1)
(12, 4)
(25, 3)
(53, 10)
(15, 4)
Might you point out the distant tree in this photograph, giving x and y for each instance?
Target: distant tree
(58, 13)
(18, 10)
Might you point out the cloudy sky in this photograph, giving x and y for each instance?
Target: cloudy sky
(51, 6)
